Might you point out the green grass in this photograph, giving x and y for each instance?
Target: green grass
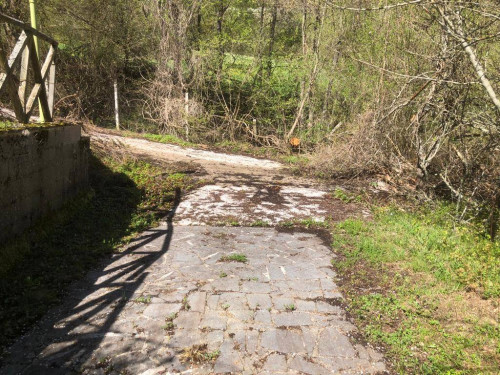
(146, 300)
(260, 224)
(168, 326)
(185, 304)
(425, 288)
(345, 197)
(126, 197)
(306, 223)
(295, 160)
(168, 139)
(240, 258)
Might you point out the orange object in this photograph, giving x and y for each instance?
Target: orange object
(295, 142)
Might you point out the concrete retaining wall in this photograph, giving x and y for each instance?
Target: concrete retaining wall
(40, 170)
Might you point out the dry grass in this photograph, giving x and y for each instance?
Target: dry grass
(197, 354)
(355, 150)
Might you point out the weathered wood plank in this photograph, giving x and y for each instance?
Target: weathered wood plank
(27, 27)
(11, 85)
(52, 87)
(40, 75)
(23, 77)
(14, 57)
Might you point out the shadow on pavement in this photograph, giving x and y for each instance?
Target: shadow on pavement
(61, 345)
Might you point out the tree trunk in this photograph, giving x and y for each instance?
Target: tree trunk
(272, 36)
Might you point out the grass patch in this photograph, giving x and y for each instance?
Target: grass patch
(197, 354)
(260, 224)
(295, 160)
(146, 300)
(290, 307)
(126, 197)
(426, 289)
(168, 326)
(240, 258)
(167, 138)
(341, 195)
(185, 304)
(305, 223)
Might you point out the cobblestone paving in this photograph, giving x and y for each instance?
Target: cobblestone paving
(278, 313)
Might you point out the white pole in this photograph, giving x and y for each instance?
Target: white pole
(117, 107)
(186, 109)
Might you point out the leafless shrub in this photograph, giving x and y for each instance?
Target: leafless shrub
(355, 151)
(166, 106)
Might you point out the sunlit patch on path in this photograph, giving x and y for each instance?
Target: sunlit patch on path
(247, 204)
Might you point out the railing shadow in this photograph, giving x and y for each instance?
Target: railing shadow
(68, 335)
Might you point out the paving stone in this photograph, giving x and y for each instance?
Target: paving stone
(197, 301)
(333, 294)
(239, 339)
(215, 339)
(161, 310)
(213, 301)
(259, 301)
(310, 336)
(275, 362)
(232, 301)
(252, 341)
(280, 286)
(291, 319)
(188, 320)
(305, 285)
(303, 305)
(255, 287)
(332, 343)
(226, 284)
(185, 338)
(263, 316)
(280, 302)
(241, 315)
(313, 294)
(277, 272)
(328, 308)
(214, 320)
(229, 360)
(283, 341)
(362, 352)
(307, 366)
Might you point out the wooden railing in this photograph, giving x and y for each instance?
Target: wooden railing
(23, 57)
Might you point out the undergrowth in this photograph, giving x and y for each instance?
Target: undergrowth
(425, 289)
(126, 197)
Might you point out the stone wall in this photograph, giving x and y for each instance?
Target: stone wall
(40, 169)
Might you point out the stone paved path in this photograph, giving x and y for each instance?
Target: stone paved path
(174, 301)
